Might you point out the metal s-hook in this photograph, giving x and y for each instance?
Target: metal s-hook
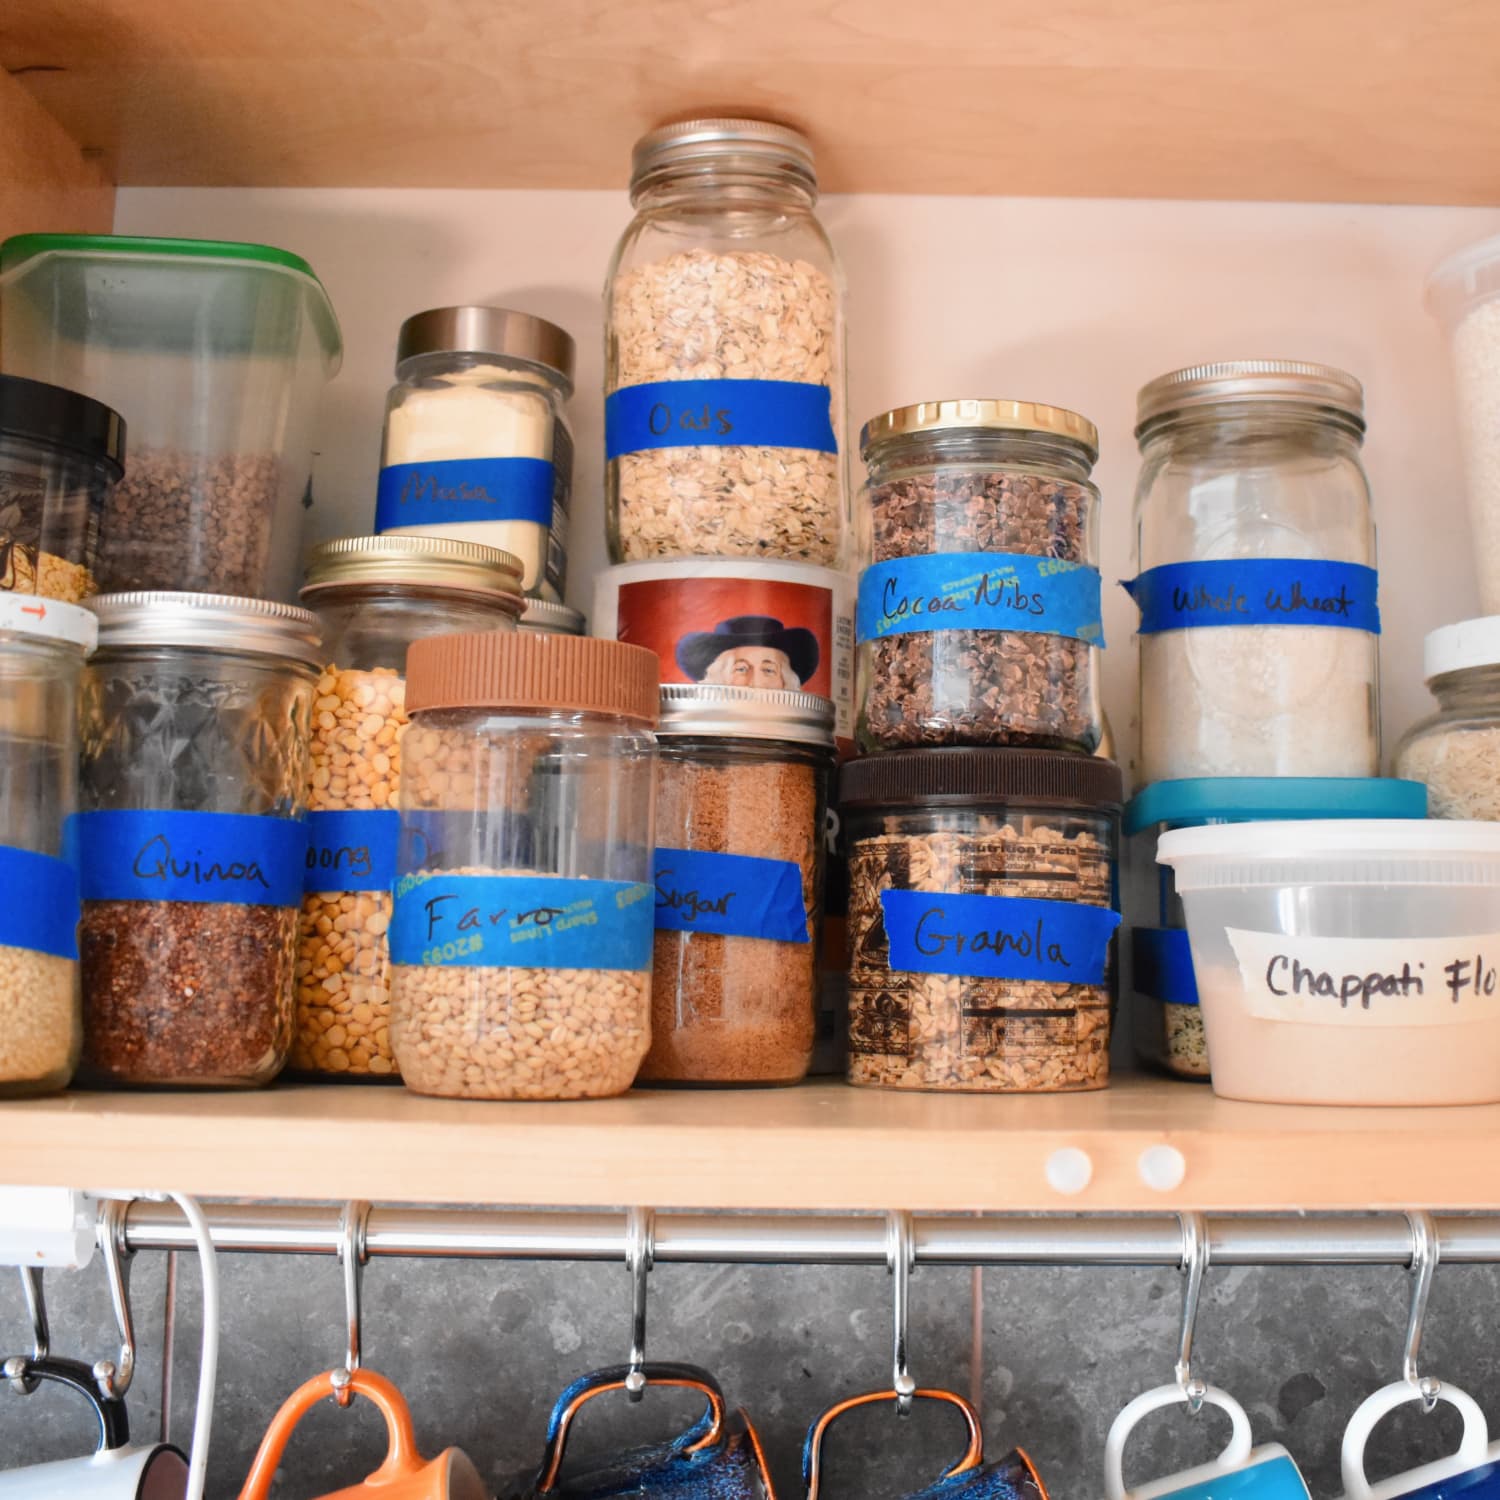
(41, 1337)
(113, 1376)
(640, 1253)
(900, 1259)
(352, 1256)
(1425, 1252)
(1194, 1269)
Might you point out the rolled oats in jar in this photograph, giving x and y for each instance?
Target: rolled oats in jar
(724, 376)
(981, 919)
(373, 596)
(522, 931)
(978, 620)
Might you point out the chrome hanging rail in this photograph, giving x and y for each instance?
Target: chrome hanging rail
(797, 1239)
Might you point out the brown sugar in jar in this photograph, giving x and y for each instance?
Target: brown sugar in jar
(741, 797)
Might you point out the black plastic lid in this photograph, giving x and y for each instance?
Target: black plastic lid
(48, 414)
(925, 778)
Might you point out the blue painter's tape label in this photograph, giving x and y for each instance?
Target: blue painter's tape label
(38, 902)
(521, 922)
(236, 858)
(734, 895)
(1257, 591)
(719, 414)
(979, 591)
(456, 491)
(997, 937)
(1161, 965)
(353, 850)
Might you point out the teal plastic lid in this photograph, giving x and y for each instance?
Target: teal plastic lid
(1263, 799)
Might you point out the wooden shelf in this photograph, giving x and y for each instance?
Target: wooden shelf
(1315, 100)
(823, 1146)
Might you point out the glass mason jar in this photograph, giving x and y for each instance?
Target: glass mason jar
(1256, 581)
(981, 919)
(477, 445)
(543, 617)
(724, 353)
(521, 936)
(194, 745)
(978, 621)
(373, 597)
(1455, 752)
(41, 661)
(741, 794)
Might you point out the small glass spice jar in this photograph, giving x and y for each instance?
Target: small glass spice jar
(191, 843)
(1256, 581)
(373, 596)
(981, 919)
(978, 620)
(521, 937)
(42, 651)
(543, 617)
(724, 353)
(477, 445)
(741, 793)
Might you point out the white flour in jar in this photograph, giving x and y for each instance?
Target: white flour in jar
(1476, 361)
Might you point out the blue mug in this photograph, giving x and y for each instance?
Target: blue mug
(1473, 1473)
(1240, 1472)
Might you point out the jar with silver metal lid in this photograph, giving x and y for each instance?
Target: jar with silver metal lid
(724, 352)
(477, 445)
(543, 617)
(373, 596)
(741, 794)
(190, 837)
(1255, 574)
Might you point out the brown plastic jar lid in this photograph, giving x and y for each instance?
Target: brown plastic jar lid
(952, 776)
(546, 673)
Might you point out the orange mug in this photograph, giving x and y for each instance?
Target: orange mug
(405, 1474)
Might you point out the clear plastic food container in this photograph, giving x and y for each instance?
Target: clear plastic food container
(522, 933)
(215, 354)
(1351, 962)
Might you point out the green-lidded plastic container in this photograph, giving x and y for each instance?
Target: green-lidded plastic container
(215, 354)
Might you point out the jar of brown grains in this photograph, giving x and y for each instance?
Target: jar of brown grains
(741, 788)
(724, 353)
(191, 843)
(373, 596)
(521, 934)
(978, 620)
(981, 919)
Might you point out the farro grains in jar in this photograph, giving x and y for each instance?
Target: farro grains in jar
(978, 620)
(981, 919)
(42, 651)
(741, 789)
(1256, 583)
(373, 596)
(522, 930)
(191, 844)
(724, 353)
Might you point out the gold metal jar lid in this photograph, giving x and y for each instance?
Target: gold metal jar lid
(415, 562)
(982, 415)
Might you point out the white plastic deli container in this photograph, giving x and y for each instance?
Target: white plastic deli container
(1346, 962)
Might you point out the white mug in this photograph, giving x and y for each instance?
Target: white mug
(1240, 1472)
(1473, 1473)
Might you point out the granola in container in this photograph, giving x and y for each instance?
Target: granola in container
(981, 919)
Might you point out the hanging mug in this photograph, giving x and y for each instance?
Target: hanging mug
(719, 1455)
(115, 1470)
(405, 1474)
(1010, 1478)
(1240, 1472)
(1473, 1473)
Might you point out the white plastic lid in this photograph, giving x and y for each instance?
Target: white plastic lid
(1457, 648)
(1330, 839)
(49, 619)
(1464, 279)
